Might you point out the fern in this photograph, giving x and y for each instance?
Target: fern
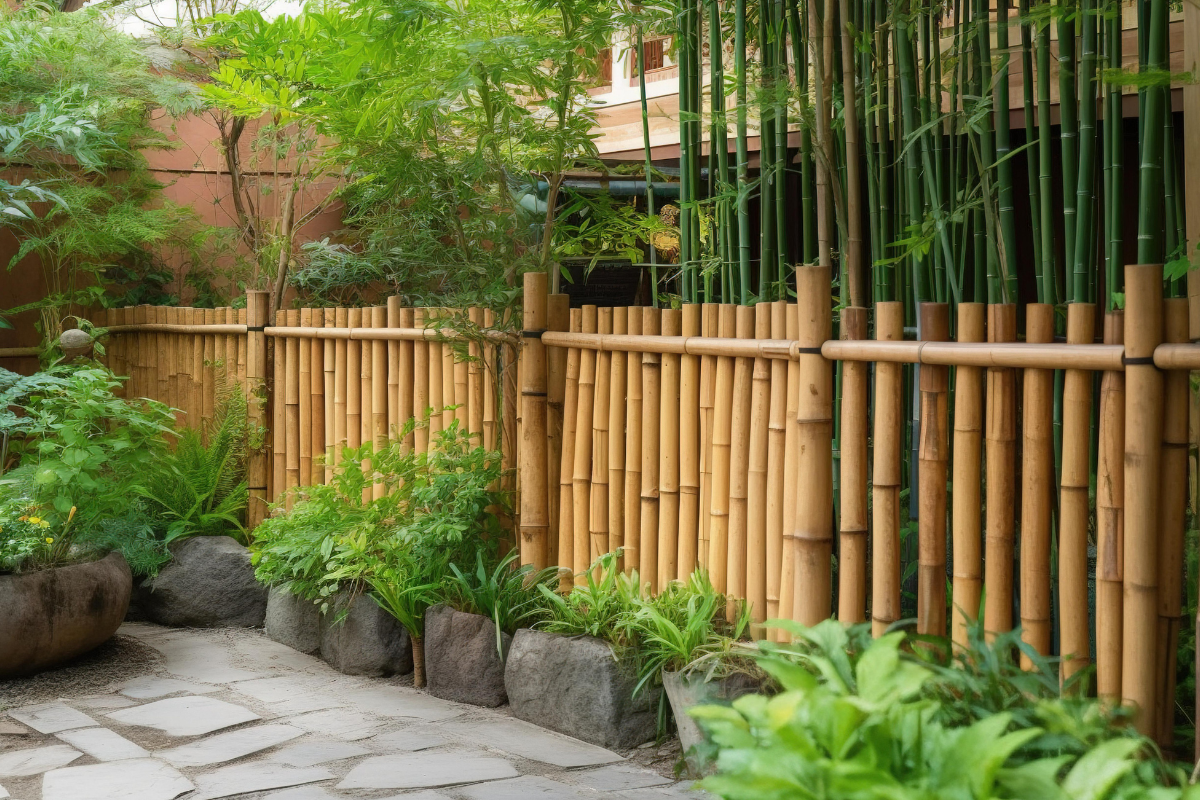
(131, 535)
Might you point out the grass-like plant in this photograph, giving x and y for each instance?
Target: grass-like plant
(509, 594)
(599, 607)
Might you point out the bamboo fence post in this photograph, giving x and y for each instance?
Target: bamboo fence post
(278, 403)
(162, 358)
(477, 374)
(393, 369)
(132, 348)
(566, 510)
(462, 381)
(784, 570)
(965, 524)
(291, 410)
(317, 391)
(187, 362)
(618, 374)
(739, 461)
(709, 321)
(886, 469)
(330, 366)
(341, 389)
(256, 394)
(558, 318)
(1000, 455)
(651, 377)
(934, 455)
(814, 502)
(209, 377)
(142, 351)
(689, 449)
(852, 549)
(1143, 445)
(1074, 512)
(491, 392)
(195, 316)
(718, 533)
(581, 486)
(1037, 488)
(1173, 505)
(379, 394)
(777, 425)
(304, 370)
(420, 390)
(510, 410)
(407, 381)
(435, 365)
(366, 395)
(1110, 521)
(240, 342)
(174, 357)
(116, 347)
(598, 525)
(757, 501)
(449, 401)
(534, 502)
(354, 372)
(633, 447)
(668, 456)
(231, 358)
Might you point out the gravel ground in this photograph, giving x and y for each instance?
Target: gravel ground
(119, 659)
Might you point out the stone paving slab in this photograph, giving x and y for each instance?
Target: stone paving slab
(529, 741)
(229, 746)
(426, 771)
(151, 688)
(255, 776)
(11, 728)
(36, 760)
(51, 717)
(347, 725)
(407, 740)
(102, 744)
(3, 793)
(143, 779)
(310, 792)
(617, 777)
(198, 659)
(185, 716)
(110, 702)
(310, 754)
(527, 787)
(395, 701)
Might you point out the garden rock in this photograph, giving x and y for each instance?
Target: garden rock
(462, 661)
(208, 584)
(365, 640)
(576, 686)
(293, 621)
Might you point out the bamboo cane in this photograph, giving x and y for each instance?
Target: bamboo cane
(1143, 445)
(366, 397)
(1000, 456)
(278, 401)
(175, 346)
(566, 517)
(777, 425)
(421, 383)
(718, 555)
(668, 457)
(1110, 521)
(462, 394)
(886, 474)
(304, 371)
(241, 350)
(341, 388)
(1173, 505)
(558, 318)
(133, 346)
(708, 372)
(291, 412)
(449, 399)
(934, 455)
(116, 346)
(968, 449)
(354, 371)
(756, 472)
(162, 359)
(330, 365)
(689, 449)
(492, 393)
(256, 378)
(582, 469)
(633, 448)
(534, 502)
(814, 501)
(791, 466)
(651, 377)
(393, 368)
(852, 549)
(598, 525)
(408, 379)
(379, 394)
(618, 374)
(739, 454)
(209, 375)
(434, 366)
(316, 376)
(1074, 626)
(477, 374)
(197, 392)
(1037, 489)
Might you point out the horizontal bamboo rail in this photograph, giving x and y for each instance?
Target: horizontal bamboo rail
(1017, 355)
(18, 352)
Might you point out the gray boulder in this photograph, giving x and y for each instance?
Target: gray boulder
(360, 638)
(576, 686)
(462, 661)
(208, 584)
(293, 621)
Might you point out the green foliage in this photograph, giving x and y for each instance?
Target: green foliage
(134, 537)
(509, 594)
(599, 607)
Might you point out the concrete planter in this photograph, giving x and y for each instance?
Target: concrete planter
(293, 621)
(208, 584)
(577, 686)
(687, 690)
(462, 660)
(52, 616)
(360, 638)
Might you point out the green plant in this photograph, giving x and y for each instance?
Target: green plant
(509, 594)
(134, 537)
(598, 607)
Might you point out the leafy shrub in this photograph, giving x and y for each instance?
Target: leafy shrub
(599, 607)
(509, 594)
(134, 537)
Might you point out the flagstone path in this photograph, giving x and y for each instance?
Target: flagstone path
(232, 714)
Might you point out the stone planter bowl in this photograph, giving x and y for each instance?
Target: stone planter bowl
(686, 690)
(52, 616)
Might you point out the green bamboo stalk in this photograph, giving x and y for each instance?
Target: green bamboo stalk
(767, 170)
(1083, 268)
(909, 116)
(1045, 180)
(1031, 153)
(650, 210)
(1150, 173)
(1004, 179)
(1114, 139)
(853, 252)
(743, 157)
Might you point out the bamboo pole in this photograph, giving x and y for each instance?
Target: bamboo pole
(618, 374)
(196, 317)
(316, 376)
(814, 484)
(581, 487)
(161, 358)
(1037, 489)
(291, 412)
(180, 381)
(756, 472)
(477, 373)
(330, 367)
(304, 370)
(633, 448)
(852, 549)
(354, 372)
(777, 426)
(462, 392)
(651, 376)
(209, 375)
(535, 547)
(784, 569)
(886, 474)
(435, 365)
(278, 416)
(1074, 512)
(114, 346)
(934, 456)
(492, 393)
(708, 373)
(718, 554)
(598, 525)
(689, 449)
(966, 528)
(958, 354)
(241, 349)
(379, 395)
(558, 317)
(668, 457)
(1173, 505)
(1000, 455)
(509, 390)
(366, 395)
(341, 390)
(449, 401)
(1110, 521)
(393, 369)
(1143, 445)
(566, 515)
(256, 377)
(408, 380)
(421, 399)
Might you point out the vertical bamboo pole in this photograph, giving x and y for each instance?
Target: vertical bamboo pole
(291, 409)
(341, 388)
(1173, 505)
(304, 370)
(1110, 521)
(1074, 513)
(852, 551)
(241, 349)
(278, 403)
(510, 388)
(408, 379)
(668, 456)
(1001, 475)
(209, 376)
(777, 425)
(316, 375)
(534, 502)
(462, 395)
(756, 472)
(886, 474)
(257, 393)
(966, 528)
(723, 399)
(558, 318)
(651, 377)
(436, 400)
(187, 352)
(598, 525)
(162, 358)
(566, 510)
(934, 455)
(581, 488)
(633, 447)
(814, 486)
(114, 344)
(689, 449)
(330, 366)
(366, 396)
(791, 469)
(739, 460)
(1143, 445)
(421, 363)
(491, 393)
(354, 372)
(1037, 487)
(133, 348)
(449, 412)
(393, 369)
(618, 374)
(195, 316)
(379, 393)
(709, 322)
(477, 374)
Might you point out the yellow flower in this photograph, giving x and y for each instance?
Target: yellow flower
(43, 523)
(49, 540)
(35, 520)
(71, 516)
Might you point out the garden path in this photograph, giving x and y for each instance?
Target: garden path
(232, 714)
